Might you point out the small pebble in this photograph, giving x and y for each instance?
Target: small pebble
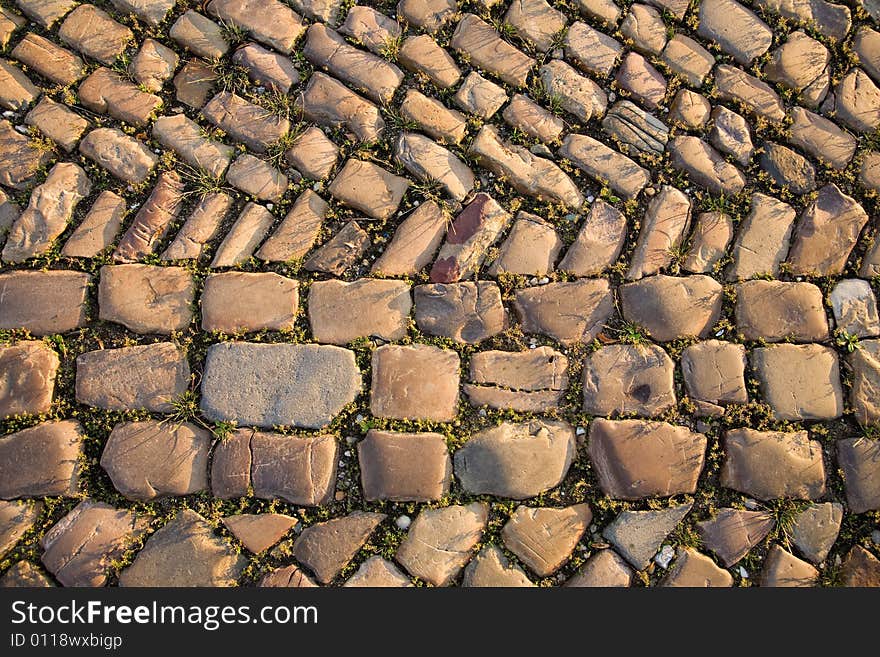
(403, 522)
(580, 431)
(347, 452)
(875, 536)
(751, 505)
(743, 573)
(665, 556)
(351, 440)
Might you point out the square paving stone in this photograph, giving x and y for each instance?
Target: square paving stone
(415, 382)
(145, 298)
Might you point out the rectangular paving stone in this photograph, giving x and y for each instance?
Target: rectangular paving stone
(16, 89)
(105, 92)
(43, 460)
(576, 94)
(58, 123)
(43, 302)
(297, 232)
(330, 103)
(415, 242)
(200, 35)
(313, 154)
(341, 251)
(146, 298)
(479, 41)
(422, 55)
(125, 157)
(186, 138)
(94, 33)
(99, 227)
(153, 11)
(430, 162)
(152, 220)
(265, 67)
(269, 21)
(369, 188)
(244, 121)
(200, 227)
(245, 235)
(9, 23)
(45, 12)
(591, 51)
(19, 159)
(49, 60)
(604, 164)
(238, 301)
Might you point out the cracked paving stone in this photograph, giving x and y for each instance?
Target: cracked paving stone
(605, 165)
(341, 251)
(592, 51)
(533, 380)
(51, 61)
(91, 31)
(259, 531)
(287, 577)
(298, 469)
(428, 161)
(200, 227)
(544, 539)
(732, 533)
(146, 299)
(20, 160)
(637, 535)
(327, 547)
(623, 379)
(341, 312)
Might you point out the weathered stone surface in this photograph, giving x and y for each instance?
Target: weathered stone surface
(468, 239)
(714, 372)
(821, 138)
(29, 369)
(19, 159)
(592, 51)
(730, 134)
(705, 166)
(404, 467)
(775, 310)
(827, 231)
(43, 302)
(570, 312)
(634, 459)
(421, 55)
(200, 35)
(299, 469)
(787, 169)
(237, 301)
(762, 241)
(533, 380)
(247, 232)
(147, 376)
(865, 365)
(434, 117)
(194, 83)
(782, 568)
(832, 20)
(414, 243)
(479, 96)
(662, 230)
(81, 548)
(257, 178)
(341, 251)
(577, 94)
(268, 68)
(479, 41)
(604, 569)
(773, 464)
(692, 569)
(430, 162)
(200, 227)
(369, 74)
(373, 30)
(92, 32)
(106, 92)
(737, 30)
(756, 96)
(427, 14)
(153, 11)
(330, 103)
(605, 165)
(49, 60)
(340, 312)
(58, 123)
(531, 248)
(313, 154)
(125, 157)
(369, 188)
(24, 574)
(856, 101)
(635, 129)
(516, 460)
(535, 21)
(490, 568)
(527, 173)
(153, 65)
(866, 44)
(49, 211)
(860, 461)
(16, 519)
(669, 307)
(465, 312)
(712, 234)
(302, 385)
(815, 529)
(544, 538)
(244, 121)
(531, 119)
(637, 535)
(43, 460)
(416, 382)
(185, 553)
(687, 58)
(146, 298)
(297, 232)
(598, 243)
(326, 548)
(440, 541)
(644, 26)
(151, 459)
(622, 379)
(260, 531)
(153, 220)
(801, 63)
(269, 21)
(800, 382)
(231, 465)
(604, 11)
(637, 76)
(731, 533)
(186, 138)
(861, 568)
(288, 577)
(326, 11)
(377, 572)
(45, 12)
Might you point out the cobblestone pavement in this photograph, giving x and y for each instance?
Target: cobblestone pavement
(488, 292)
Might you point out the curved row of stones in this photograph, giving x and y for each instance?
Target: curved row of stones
(546, 67)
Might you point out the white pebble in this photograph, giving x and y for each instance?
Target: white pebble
(270, 206)
(875, 536)
(403, 522)
(743, 573)
(8, 114)
(346, 453)
(359, 418)
(590, 199)
(351, 440)
(751, 504)
(482, 412)
(665, 556)
(544, 280)
(580, 431)
(22, 129)
(719, 333)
